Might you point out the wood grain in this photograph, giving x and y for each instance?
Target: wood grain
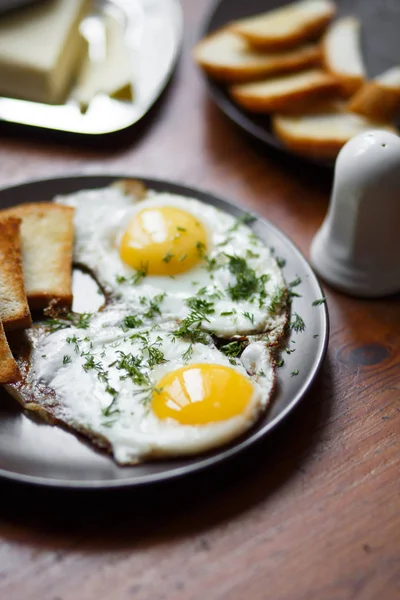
(311, 513)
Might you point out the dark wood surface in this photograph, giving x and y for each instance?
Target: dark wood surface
(311, 513)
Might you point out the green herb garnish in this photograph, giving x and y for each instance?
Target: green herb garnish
(319, 301)
(297, 324)
(168, 257)
(132, 322)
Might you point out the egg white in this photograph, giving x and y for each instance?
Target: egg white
(134, 432)
(101, 217)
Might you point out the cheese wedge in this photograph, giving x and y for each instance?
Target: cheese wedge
(228, 57)
(323, 131)
(284, 93)
(379, 99)
(341, 48)
(287, 26)
(41, 49)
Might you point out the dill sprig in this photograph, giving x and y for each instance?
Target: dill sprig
(245, 219)
(247, 283)
(167, 257)
(319, 301)
(297, 324)
(132, 322)
(233, 349)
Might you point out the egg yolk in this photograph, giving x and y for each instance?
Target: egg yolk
(201, 393)
(163, 241)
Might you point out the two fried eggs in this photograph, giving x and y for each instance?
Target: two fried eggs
(178, 361)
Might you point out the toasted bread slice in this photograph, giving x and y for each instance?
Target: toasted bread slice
(284, 93)
(227, 56)
(379, 99)
(323, 131)
(14, 310)
(287, 26)
(9, 372)
(342, 55)
(47, 233)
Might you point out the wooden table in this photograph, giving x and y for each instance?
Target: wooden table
(311, 513)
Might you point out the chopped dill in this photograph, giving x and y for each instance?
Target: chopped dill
(200, 247)
(277, 300)
(319, 301)
(297, 324)
(200, 305)
(167, 257)
(132, 322)
(295, 282)
(247, 282)
(281, 262)
(75, 341)
(233, 349)
(245, 219)
(66, 359)
(249, 316)
(83, 321)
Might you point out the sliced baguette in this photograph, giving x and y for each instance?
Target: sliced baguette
(47, 233)
(9, 372)
(341, 49)
(227, 56)
(379, 99)
(323, 131)
(284, 93)
(287, 26)
(14, 310)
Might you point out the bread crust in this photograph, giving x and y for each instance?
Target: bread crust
(316, 88)
(14, 310)
(9, 372)
(376, 101)
(253, 64)
(318, 146)
(299, 33)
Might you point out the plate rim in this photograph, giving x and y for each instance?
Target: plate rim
(224, 454)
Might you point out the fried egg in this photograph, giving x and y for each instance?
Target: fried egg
(143, 392)
(168, 257)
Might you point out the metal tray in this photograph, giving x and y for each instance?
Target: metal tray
(153, 33)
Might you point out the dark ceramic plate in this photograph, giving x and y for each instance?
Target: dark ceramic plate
(38, 453)
(153, 32)
(380, 45)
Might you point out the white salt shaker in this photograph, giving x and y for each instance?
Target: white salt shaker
(357, 248)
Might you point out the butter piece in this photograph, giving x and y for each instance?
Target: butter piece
(41, 49)
(111, 74)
